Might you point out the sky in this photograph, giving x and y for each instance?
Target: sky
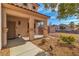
(53, 16)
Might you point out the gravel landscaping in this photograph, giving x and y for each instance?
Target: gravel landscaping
(54, 48)
(5, 52)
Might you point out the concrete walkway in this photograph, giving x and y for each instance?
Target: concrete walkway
(27, 49)
(22, 47)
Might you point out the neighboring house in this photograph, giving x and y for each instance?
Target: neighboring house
(54, 28)
(66, 28)
(20, 19)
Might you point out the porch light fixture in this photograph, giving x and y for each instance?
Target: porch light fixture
(33, 7)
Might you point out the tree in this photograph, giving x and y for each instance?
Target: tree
(78, 25)
(72, 25)
(62, 27)
(64, 9)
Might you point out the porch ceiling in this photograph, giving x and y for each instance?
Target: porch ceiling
(25, 11)
(15, 17)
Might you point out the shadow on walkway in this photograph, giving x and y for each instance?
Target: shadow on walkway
(16, 42)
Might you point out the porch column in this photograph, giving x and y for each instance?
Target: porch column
(0, 27)
(31, 28)
(4, 28)
(45, 30)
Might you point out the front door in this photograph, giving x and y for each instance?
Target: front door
(11, 29)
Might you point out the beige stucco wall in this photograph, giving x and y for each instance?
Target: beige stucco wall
(22, 28)
(29, 6)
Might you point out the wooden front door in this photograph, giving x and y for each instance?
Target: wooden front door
(11, 29)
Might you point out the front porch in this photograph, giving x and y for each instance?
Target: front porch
(12, 27)
(20, 31)
(20, 41)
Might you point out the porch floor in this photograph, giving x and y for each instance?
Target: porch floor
(20, 41)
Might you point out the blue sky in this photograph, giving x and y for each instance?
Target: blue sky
(53, 16)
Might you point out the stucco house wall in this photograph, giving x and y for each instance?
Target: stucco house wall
(21, 28)
(29, 6)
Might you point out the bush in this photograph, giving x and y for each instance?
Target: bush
(67, 39)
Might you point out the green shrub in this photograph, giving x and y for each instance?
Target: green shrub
(67, 39)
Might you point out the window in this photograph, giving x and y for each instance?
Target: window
(28, 27)
(34, 7)
(25, 4)
(19, 23)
